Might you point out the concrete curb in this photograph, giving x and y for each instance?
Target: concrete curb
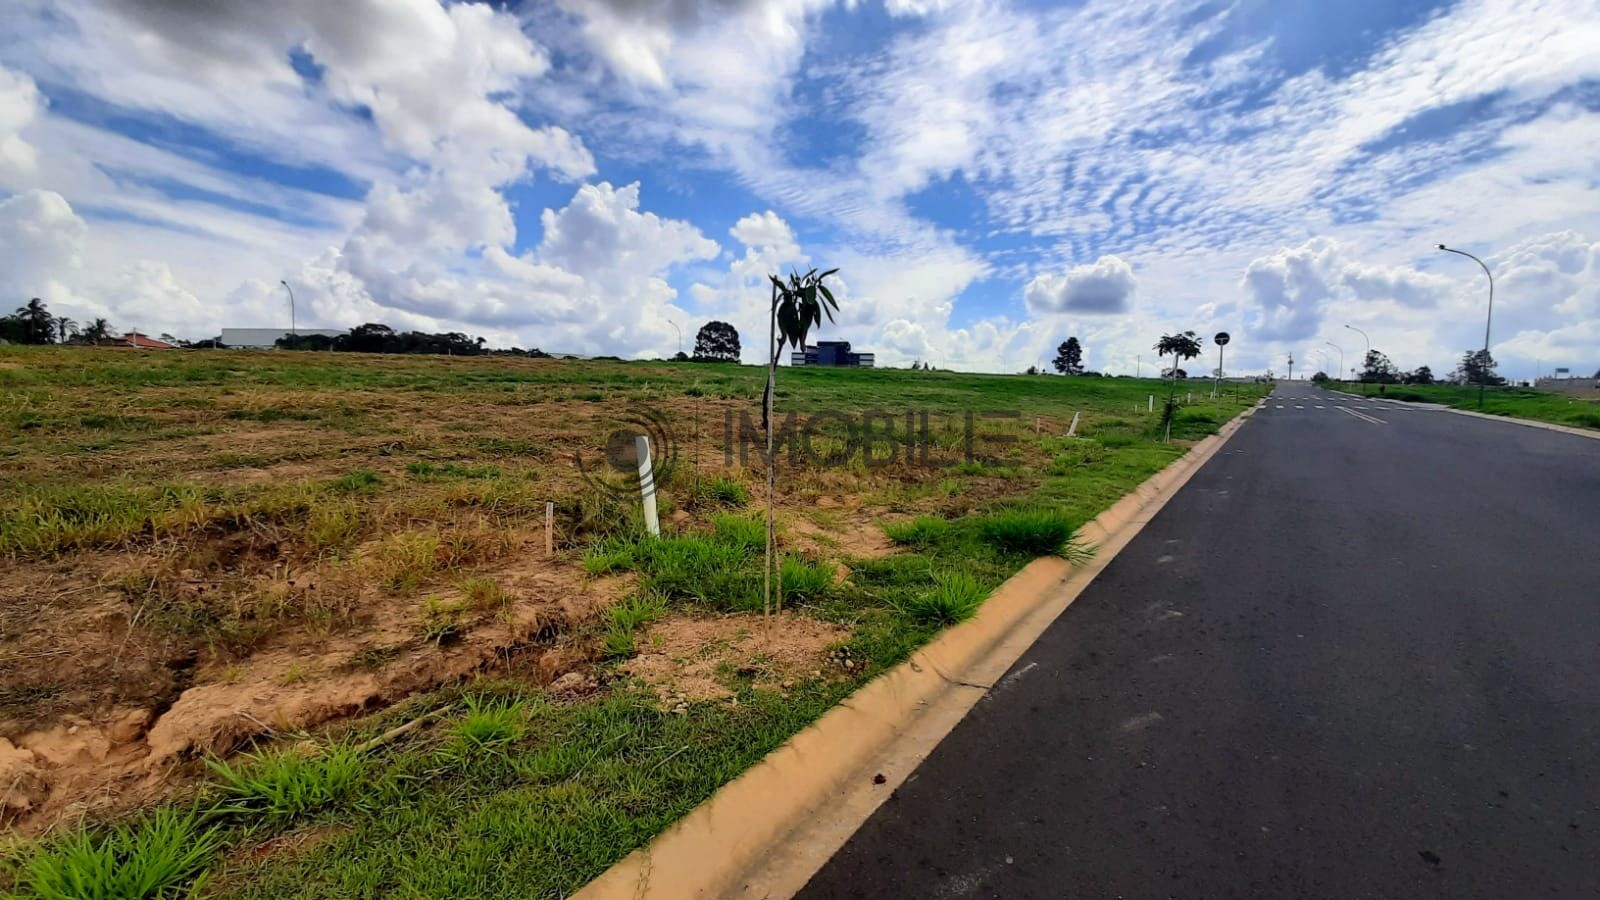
(764, 834)
(1531, 423)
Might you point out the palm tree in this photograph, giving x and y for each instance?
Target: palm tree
(796, 307)
(1184, 345)
(95, 331)
(65, 328)
(38, 325)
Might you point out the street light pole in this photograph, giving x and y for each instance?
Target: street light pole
(293, 331)
(680, 335)
(1483, 364)
(1369, 349)
(1341, 357)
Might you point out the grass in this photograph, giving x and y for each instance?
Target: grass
(955, 597)
(156, 857)
(213, 483)
(923, 531)
(289, 783)
(1033, 532)
(1516, 402)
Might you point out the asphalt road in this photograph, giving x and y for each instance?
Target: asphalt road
(1354, 657)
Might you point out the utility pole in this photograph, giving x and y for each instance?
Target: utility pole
(1291, 367)
(1483, 368)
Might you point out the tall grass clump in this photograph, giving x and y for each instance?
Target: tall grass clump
(491, 723)
(610, 554)
(955, 597)
(725, 491)
(923, 531)
(156, 858)
(804, 579)
(740, 531)
(1034, 532)
(38, 520)
(284, 784)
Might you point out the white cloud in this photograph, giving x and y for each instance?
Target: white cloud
(1105, 286)
(19, 101)
(41, 244)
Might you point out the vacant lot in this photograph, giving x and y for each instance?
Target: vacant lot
(307, 598)
(1522, 403)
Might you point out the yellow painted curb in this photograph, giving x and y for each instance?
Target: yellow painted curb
(764, 834)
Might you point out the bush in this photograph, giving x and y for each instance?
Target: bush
(1586, 419)
(154, 858)
(637, 610)
(923, 531)
(1033, 532)
(287, 784)
(955, 597)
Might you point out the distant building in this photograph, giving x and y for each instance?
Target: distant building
(266, 338)
(137, 341)
(830, 353)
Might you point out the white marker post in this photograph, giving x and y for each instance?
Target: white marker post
(647, 485)
(1152, 403)
(549, 528)
(1072, 430)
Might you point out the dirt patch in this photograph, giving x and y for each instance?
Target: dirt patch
(857, 535)
(112, 757)
(692, 659)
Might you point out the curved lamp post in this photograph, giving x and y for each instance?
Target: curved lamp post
(1483, 375)
(1341, 357)
(1369, 349)
(680, 335)
(293, 332)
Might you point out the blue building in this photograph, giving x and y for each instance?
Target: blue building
(830, 353)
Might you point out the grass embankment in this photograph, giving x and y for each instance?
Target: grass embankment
(1515, 402)
(219, 508)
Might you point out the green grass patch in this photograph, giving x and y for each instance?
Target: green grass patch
(155, 857)
(723, 490)
(954, 597)
(923, 531)
(1033, 532)
(287, 784)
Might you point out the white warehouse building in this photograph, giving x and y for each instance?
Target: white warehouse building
(266, 338)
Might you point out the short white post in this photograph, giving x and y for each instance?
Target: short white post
(1191, 398)
(549, 528)
(1152, 403)
(1072, 430)
(647, 485)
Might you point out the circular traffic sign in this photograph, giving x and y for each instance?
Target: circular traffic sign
(1222, 338)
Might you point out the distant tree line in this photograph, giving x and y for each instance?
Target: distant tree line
(377, 338)
(33, 323)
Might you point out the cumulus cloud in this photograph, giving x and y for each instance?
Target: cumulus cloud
(1105, 286)
(41, 244)
(19, 101)
(1292, 287)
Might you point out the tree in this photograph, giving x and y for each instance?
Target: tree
(1319, 378)
(95, 332)
(797, 306)
(66, 329)
(1069, 357)
(717, 342)
(1377, 369)
(1182, 346)
(1477, 367)
(31, 324)
(1421, 375)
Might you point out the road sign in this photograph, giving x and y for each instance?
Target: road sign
(1563, 371)
(1222, 338)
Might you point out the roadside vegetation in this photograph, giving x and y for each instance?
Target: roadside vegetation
(313, 590)
(1515, 402)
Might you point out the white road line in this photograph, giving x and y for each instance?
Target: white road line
(1298, 406)
(1280, 406)
(1322, 407)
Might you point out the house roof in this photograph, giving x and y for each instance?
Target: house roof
(135, 339)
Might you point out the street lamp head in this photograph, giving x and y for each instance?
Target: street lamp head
(1443, 247)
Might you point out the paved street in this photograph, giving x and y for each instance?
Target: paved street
(1357, 656)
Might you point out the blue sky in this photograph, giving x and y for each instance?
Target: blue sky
(991, 177)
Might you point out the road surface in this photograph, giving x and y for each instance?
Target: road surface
(1357, 656)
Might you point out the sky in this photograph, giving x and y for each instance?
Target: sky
(990, 178)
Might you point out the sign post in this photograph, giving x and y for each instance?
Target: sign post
(1222, 340)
